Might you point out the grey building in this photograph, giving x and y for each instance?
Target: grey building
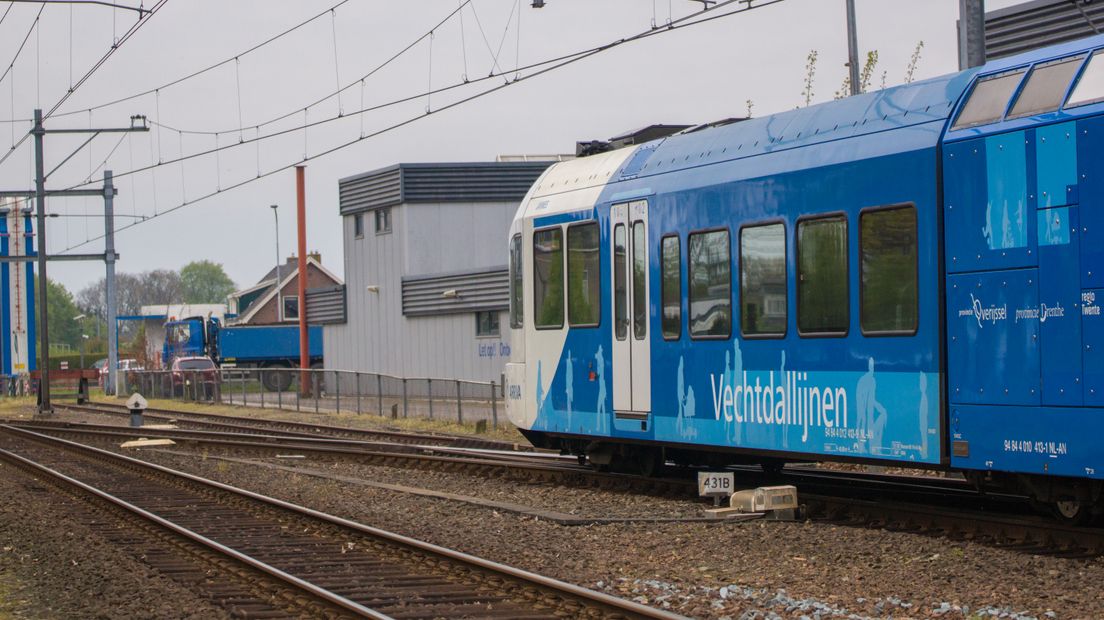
(426, 288)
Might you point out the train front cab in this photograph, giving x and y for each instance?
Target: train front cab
(1023, 174)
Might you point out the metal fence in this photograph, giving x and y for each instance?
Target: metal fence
(327, 391)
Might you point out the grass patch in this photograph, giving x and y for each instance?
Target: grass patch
(505, 431)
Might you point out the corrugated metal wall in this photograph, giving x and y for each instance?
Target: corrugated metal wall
(439, 183)
(326, 305)
(456, 293)
(1031, 25)
(427, 242)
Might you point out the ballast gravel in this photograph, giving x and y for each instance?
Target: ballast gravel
(55, 563)
(720, 570)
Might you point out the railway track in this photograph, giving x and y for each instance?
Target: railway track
(300, 429)
(294, 560)
(926, 504)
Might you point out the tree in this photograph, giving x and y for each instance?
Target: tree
(60, 313)
(205, 282)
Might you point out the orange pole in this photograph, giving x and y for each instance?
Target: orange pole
(301, 214)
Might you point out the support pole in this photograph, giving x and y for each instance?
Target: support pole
(301, 215)
(111, 385)
(852, 48)
(44, 405)
(971, 33)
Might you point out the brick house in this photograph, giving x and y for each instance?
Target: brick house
(270, 302)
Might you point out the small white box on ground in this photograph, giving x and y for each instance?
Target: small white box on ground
(766, 499)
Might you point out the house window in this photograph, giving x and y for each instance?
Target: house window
(358, 225)
(383, 220)
(486, 324)
(290, 308)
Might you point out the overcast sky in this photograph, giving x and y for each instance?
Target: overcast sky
(693, 75)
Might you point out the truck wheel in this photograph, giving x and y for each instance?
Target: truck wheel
(275, 381)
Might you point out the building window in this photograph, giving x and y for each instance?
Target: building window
(710, 285)
(548, 279)
(290, 308)
(486, 324)
(383, 220)
(517, 313)
(358, 225)
(584, 286)
(671, 287)
(890, 295)
(822, 284)
(763, 280)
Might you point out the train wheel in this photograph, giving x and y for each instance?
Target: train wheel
(649, 462)
(1072, 511)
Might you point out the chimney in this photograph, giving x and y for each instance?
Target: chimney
(316, 255)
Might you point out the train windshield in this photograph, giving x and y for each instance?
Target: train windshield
(1045, 87)
(988, 100)
(1090, 88)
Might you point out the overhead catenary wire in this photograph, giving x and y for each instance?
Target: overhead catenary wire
(142, 20)
(689, 20)
(376, 69)
(210, 67)
(548, 66)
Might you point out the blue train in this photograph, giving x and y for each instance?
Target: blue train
(910, 276)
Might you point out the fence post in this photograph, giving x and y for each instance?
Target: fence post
(494, 407)
(279, 392)
(379, 393)
(358, 391)
(314, 387)
(459, 407)
(337, 391)
(241, 376)
(404, 397)
(261, 385)
(430, 383)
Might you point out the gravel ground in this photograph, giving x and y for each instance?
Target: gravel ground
(54, 564)
(750, 570)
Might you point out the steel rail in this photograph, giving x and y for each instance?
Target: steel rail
(569, 591)
(301, 428)
(306, 587)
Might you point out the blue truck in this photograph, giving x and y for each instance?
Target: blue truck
(247, 346)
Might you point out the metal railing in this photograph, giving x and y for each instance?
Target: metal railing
(328, 391)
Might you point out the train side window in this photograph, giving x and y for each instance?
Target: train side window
(671, 284)
(640, 281)
(1045, 87)
(822, 287)
(516, 290)
(988, 100)
(584, 285)
(548, 294)
(1090, 87)
(888, 271)
(763, 294)
(710, 262)
(620, 283)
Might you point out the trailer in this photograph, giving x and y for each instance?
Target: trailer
(245, 346)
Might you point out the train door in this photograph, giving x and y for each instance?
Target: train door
(632, 372)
